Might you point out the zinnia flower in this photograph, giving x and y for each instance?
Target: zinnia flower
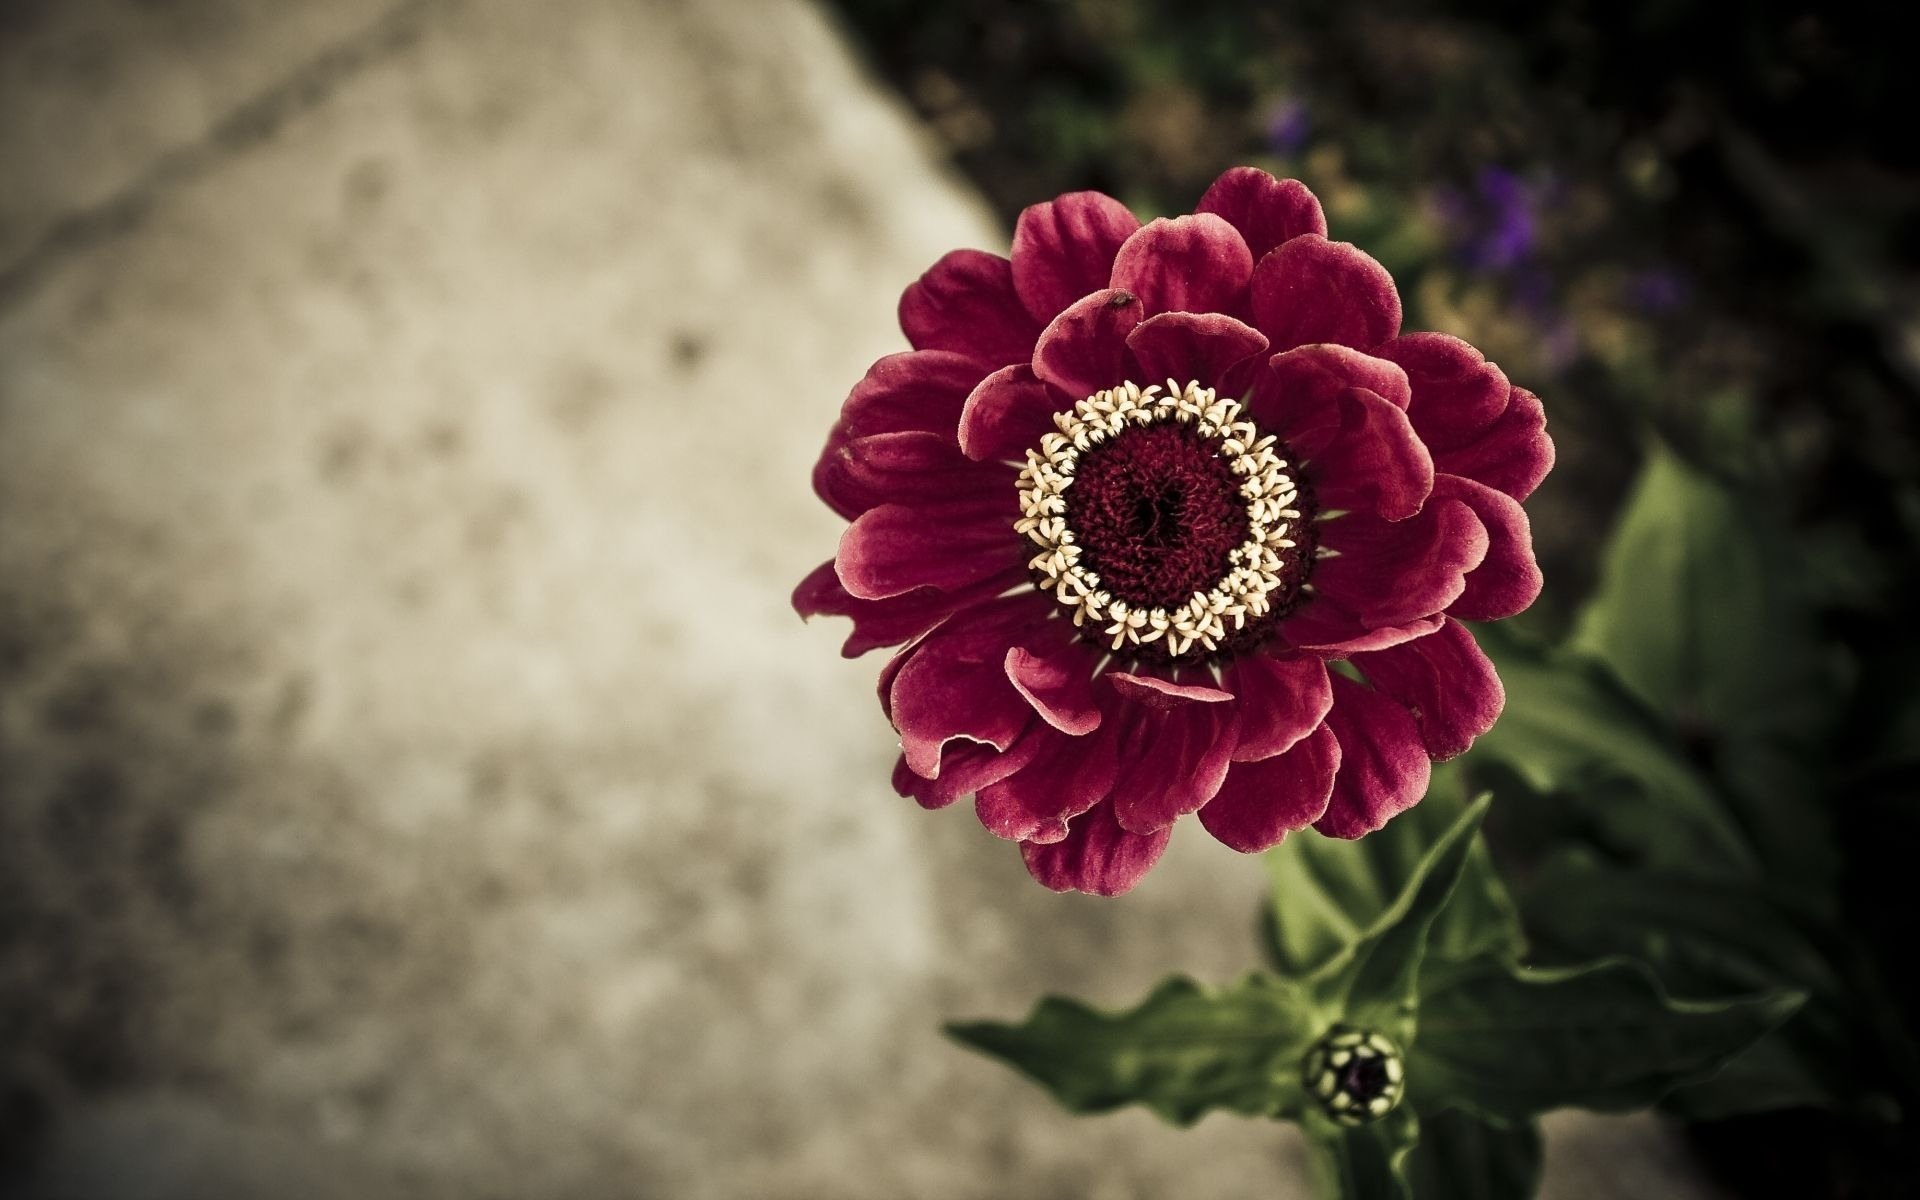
(1172, 518)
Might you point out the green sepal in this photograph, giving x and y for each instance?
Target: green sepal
(1461, 1157)
(1364, 1163)
(1183, 1051)
(1505, 1042)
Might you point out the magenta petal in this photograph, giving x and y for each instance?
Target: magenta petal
(1393, 572)
(953, 685)
(1173, 763)
(897, 619)
(1193, 264)
(1457, 393)
(1162, 694)
(1066, 778)
(1210, 348)
(1373, 462)
(896, 548)
(966, 303)
(1312, 290)
(919, 389)
(1096, 856)
(1281, 700)
(1064, 249)
(1266, 211)
(1057, 679)
(1297, 397)
(1508, 579)
(1262, 802)
(1384, 768)
(1008, 413)
(965, 768)
(1445, 681)
(1084, 350)
(909, 467)
(1512, 455)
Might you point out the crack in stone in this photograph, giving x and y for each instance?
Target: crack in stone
(252, 123)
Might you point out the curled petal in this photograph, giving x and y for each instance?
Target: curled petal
(896, 619)
(1096, 856)
(1163, 694)
(1185, 264)
(965, 768)
(952, 686)
(1173, 763)
(1384, 768)
(1281, 701)
(1266, 211)
(1325, 630)
(1010, 411)
(1445, 682)
(896, 548)
(1064, 249)
(910, 467)
(1372, 461)
(1085, 348)
(1393, 572)
(1214, 349)
(1511, 455)
(1262, 802)
(1457, 393)
(966, 304)
(1312, 290)
(1055, 674)
(1068, 776)
(1297, 396)
(1508, 579)
(919, 389)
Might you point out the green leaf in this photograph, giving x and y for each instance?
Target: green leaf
(1367, 1163)
(1374, 982)
(1569, 727)
(1183, 1051)
(1328, 891)
(1463, 1158)
(1506, 1043)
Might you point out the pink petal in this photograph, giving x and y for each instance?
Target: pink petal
(896, 548)
(1008, 413)
(1373, 462)
(1393, 572)
(897, 619)
(1067, 777)
(1173, 763)
(1193, 264)
(1325, 630)
(1281, 700)
(1211, 348)
(1445, 681)
(953, 685)
(1313, 290)
(966, 303)
(919, 389)
(1084, 350)
(1055, 674)
(1162, 694)
(1064, 249)
(1297, 397)
(1384, 768)
(1096, 856)
(1508, 579)
(909, 467)
(965, 768)
(1266, 211)
(1512, 455)
(1262, 802)
(1456, 391)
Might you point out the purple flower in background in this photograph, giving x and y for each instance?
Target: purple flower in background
(1495, 227)
(1658, 289)
(1289, 126)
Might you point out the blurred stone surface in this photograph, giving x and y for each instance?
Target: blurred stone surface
(412, 779)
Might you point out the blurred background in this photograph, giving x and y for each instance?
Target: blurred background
(412, 779)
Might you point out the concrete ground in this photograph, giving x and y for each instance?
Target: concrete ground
(412, 780)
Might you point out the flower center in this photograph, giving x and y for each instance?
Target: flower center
(1357, 1076)
(1165, 521)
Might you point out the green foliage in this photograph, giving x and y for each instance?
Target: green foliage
(1465, 1158)
(1370, 1161)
